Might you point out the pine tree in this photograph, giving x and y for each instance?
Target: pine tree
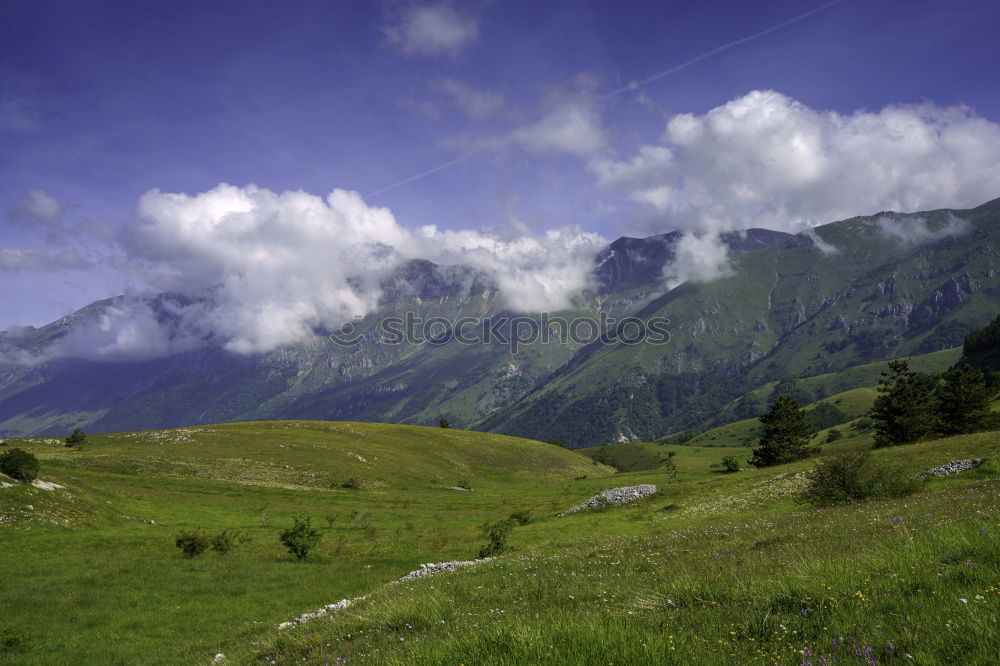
(904, 410)
(963, 403)
(78, 438)
(785, 434)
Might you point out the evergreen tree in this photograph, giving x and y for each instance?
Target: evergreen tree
(963, 403)
(904, 410)
(77, 439)
(785, 434)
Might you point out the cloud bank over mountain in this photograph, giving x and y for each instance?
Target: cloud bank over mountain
(264, 269)
(269, 268)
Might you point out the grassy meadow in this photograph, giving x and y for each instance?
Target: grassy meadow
(715, 568)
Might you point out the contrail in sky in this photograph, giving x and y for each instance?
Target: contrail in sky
(719, 49)
(631, 86)
(424, 173)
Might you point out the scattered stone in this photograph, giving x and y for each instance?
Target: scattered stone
(464, 490)
(329, 608)
(614, 496)
(219, 658)
(46, 485)
(440, 567)
(953, 467)
(424, 570)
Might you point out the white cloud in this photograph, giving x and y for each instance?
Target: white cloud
(697, 258)
(38, 206)
(534, 272)
(823, 246)
(267, 269)
(474, 102)
(766, 160)
(430, 30)
(572, 126)
(911, 231)
(129, 329)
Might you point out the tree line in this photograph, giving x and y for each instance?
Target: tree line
(910, 406)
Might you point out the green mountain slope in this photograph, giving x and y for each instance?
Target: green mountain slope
(894, 285)
(785, 312)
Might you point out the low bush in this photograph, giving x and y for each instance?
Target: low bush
(464, 484)
(19, 464)
(731, 464)
(496, 536)
(520, 517)
(192, 543)
(352, 483)
(301, 538)
(855, 477)
(225, 541)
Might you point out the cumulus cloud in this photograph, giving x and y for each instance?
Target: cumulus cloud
(430, 30)
(572, 126)
(264, 269)
(766, 160)
(534, 272)
(474, 102)
(697, 258)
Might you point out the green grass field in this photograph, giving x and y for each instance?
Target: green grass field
(715, 568)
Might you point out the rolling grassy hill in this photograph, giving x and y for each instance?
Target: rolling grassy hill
(714, 568)
(91, 569)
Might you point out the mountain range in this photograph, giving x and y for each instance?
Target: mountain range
(782, 307)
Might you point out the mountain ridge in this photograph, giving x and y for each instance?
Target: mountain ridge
(841, 294)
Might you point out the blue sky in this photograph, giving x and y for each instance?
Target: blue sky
(528, 104)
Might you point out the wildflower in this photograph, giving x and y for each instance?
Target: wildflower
(805, 613)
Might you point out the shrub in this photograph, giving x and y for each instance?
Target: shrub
(497, 538)
(301, 537)
(444, 423)
(520, 517)
(19, 464)
(731, 464)
(833, 435)
(225, 541)
(854, 477)
(352, 483)
(77, 438)
(464, 484)
(192, 543)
